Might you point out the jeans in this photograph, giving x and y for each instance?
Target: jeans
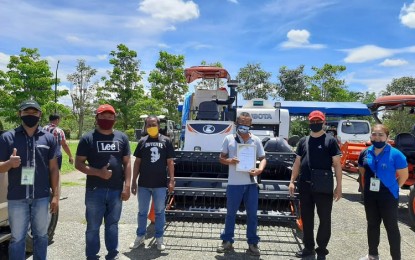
(102, 203)
(324, 204)
(235, 195)
(159, 198)
(382, 206)
(21, 213)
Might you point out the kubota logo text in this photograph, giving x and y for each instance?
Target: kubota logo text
(261, 116)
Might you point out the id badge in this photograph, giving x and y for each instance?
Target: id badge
(28, 176)
(374, 184)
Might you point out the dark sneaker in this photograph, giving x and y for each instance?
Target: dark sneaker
(226, 246)
(305, 252)
(253, 249)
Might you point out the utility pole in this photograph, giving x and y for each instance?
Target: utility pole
(56, 85)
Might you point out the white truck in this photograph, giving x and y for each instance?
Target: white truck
(350, 130)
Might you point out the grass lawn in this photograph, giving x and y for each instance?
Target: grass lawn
(73, 144)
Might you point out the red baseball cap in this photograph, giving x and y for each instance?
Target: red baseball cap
(105, 108)
(316, 114)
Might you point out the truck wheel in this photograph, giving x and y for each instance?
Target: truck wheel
(53, 221)
(411, 206)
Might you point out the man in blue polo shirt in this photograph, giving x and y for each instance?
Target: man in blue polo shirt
(28, 154)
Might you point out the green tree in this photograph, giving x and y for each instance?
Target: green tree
(254, 82)
(400, 86)
(325, 84)
(28, 77)
(124, 87)
(292, 84)
(168, 82)
(82, 93)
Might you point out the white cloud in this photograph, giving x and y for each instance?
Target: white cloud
(173, 10)
(393, 63)
(233, 1)
(367, 53)
(407, 15)
(4, 60)
(300, 39)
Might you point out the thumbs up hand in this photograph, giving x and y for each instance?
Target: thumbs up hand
(14, 159)
(106, 174)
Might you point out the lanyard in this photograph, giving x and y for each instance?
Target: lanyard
(31, 145)
(377, 159)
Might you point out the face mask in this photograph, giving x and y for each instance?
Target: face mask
(30, 120)
(105, 124)
(153, 131)
(316, 127)
(378, 144)
(243, 129)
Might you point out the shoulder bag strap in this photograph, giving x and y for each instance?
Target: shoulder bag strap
(307, 152)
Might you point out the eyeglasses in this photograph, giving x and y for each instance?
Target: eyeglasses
(378, 134)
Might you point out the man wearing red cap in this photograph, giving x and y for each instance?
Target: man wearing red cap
(104, 156)
(318, 151)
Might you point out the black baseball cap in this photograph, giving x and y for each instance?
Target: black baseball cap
(29, 104)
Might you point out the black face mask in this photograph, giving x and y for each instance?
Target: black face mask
(30, 120)
(316, 127)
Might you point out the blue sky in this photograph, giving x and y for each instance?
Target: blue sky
(374, 39)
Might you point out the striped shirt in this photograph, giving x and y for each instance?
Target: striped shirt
(58, 134)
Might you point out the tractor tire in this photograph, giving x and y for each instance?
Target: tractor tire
(53, 221)
(411, 206)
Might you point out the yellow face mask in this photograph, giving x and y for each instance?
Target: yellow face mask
(153, 131)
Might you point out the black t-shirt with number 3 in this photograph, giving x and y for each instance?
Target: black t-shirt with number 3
(153, 153)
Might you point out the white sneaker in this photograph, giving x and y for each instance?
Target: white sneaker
(370, 257)
(160, 244)
(137, 242)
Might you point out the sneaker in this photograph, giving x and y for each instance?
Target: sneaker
(370, 257)
(253, 249)
(305, 253)
(137, 242)
(160, 244)
(226, 246)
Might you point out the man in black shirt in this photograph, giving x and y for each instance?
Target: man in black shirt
(324, 153)
(153, 154)
(108, 171)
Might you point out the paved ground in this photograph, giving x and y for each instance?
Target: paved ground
(188, 240)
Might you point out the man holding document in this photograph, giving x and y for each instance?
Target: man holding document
(241, 151)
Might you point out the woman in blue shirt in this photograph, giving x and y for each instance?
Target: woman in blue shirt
(384, 169)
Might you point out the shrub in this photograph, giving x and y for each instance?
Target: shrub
(131, 134)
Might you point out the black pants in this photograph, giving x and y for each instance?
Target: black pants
(324, 204)
(59, 161)
(382, 206)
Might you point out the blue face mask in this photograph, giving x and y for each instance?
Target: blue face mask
(243, 129)
(378, 144)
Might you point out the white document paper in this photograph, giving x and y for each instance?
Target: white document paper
(246, 154)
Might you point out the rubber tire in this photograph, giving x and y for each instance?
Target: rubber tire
(411, 206)
(51, 232)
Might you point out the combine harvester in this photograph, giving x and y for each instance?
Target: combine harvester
(208, 116)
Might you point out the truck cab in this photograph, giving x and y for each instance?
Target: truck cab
(350, 130)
